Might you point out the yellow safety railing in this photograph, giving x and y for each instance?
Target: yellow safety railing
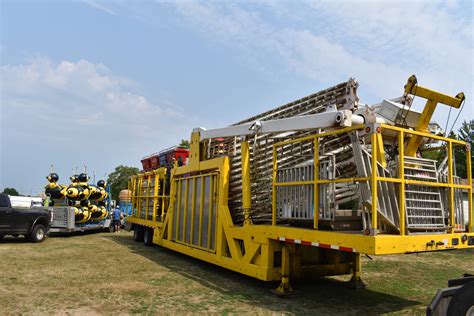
(375, 130)
(146, 196)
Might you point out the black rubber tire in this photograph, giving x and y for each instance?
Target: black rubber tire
(138, 233)
(38, 234)
(462, 301)
(148, 237)
(1, 237)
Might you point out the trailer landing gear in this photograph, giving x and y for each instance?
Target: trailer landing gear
(284, 289)
(356, 281)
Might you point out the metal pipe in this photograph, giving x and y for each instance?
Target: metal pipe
(246, 194)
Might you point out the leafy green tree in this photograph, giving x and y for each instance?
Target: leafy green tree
(465, 133)
(11, 191)
(184, 143)
(118, 179)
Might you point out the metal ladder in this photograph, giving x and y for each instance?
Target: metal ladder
(424, 206)
(387, 197)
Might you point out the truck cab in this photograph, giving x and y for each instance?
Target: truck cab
(32, 222)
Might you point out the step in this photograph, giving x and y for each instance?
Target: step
(420, 177)
(427, 201)
(421, 169)
(423, 208)
(424, 216)
(422, 192)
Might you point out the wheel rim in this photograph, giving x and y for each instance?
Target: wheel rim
(39, 234)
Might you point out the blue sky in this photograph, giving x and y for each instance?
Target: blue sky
(103, 83)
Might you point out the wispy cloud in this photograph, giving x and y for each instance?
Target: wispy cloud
(99, 6)
(379, 43)
(77, 112)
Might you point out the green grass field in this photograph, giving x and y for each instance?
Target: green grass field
(105, 273)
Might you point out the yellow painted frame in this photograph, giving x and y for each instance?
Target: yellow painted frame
(250, 249)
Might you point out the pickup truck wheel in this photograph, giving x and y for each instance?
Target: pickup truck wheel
(38, 234)
(138, 233)
(148, 237)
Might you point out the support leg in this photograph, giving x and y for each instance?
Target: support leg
(356, 281)
(285, 287)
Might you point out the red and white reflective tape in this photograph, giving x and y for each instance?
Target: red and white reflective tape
(316, 244)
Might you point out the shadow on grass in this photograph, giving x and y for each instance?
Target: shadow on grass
(77, 233)
(10, 239)
(14, 240)
(325, 294)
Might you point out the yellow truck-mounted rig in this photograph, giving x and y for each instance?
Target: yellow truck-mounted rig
(302, 190)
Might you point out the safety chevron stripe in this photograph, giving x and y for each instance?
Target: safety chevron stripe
(316, 244)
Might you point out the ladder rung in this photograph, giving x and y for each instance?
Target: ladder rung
(415, 226)
(424, 216)
(423, 208)
(428, 201)
(418, 159)
(419, 176)
(421, 169)
(422, 192)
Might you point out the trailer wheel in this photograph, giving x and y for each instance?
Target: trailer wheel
(462, 301)
(148, 237)
(138, 233)
(38, 234)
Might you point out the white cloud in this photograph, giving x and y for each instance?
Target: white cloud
(71, 113)
(379, 43)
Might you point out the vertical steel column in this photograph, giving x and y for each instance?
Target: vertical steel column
(316, 185)
(450, 183)
(373, 179)
(469, 191)
(401, 175)
(246, 194)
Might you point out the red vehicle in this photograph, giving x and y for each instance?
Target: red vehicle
(165, 157)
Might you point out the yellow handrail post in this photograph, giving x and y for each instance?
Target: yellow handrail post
(147, 196)
(401, 176)
(246, 193)
(140, 188)
(155, 195)
(316, 186)
(451, 188)
(469, 190)
(373, 179)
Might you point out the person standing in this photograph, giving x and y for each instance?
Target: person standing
(116, 215)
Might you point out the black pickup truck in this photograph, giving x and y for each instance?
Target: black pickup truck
(33, 223)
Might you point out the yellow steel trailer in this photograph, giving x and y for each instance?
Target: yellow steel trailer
(186, 208)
